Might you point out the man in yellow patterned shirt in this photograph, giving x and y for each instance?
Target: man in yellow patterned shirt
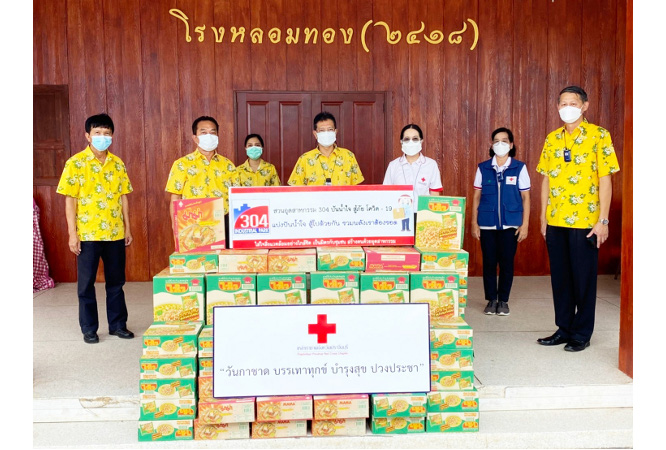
(96, 185)
(576, 162)
(327, 164)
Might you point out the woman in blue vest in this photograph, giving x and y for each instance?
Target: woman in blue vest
(500, 216)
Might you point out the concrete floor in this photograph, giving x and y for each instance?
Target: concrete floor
(530, 396)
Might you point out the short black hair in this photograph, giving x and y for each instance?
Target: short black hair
(99, 121)
(254, 135)
(411, 126)
(574, 90)
(201, 119)
(324, 115)
(512, 152)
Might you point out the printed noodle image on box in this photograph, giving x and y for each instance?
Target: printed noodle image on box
(453, 401)
(205, 385)
(205, 367)
(167, 408)
(205, 342)
(292, 260)
(440, 222)
(391, 259)
(166, 430)
(438, 289)
(398, 425)
(167, 367)
(297, 407)
(451, 422)
(384, 287)
(451, 359)
(433, 259)
(193, 262)
(198, 224)
(452, 333)
(340, 258)
(342, 406)
(339, 427)
(167, 389)
(178, 297)
(173, 338)
(334, 287)
(229, 290)
(226, 410)
(281, 289)
(279, 429)
(398, 405)
(243, 261)
(221, 431)
(451, 380)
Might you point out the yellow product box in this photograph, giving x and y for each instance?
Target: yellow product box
(451, 359)
(444, 260)
(281, 289)
(166, 430)
(229, 289)
(339, 427)
(220, 431)
(205, 342)
(160, 389)
(226, 410)
(334, 287)
(205, 386)
(391, 259)
(279, 429)
(289, 260)
(343, 406)
(243, 261)
(167, 408)
(438, 289)
(199, 224)
(440, 222)
(171, 339)
(398, 405)
(296, 407)
(452, 333)
(398, 425)
(340, 258)
(178, 297)
(452, 422)
(159, 367)
(205, 367)
(193, 262)
(384, 287)
(453, 401)
(451, 380)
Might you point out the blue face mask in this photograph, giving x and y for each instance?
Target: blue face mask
(101, 143)
(254, 152)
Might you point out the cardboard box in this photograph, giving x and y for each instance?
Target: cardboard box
(178, 297)
(221, 431)
(205, 342)
(391, 259)
(205, 386)
(462, 296)
(451, 380)
(339, 427)
(167, 408)
(297, 407)
(334, 287)
(281, 289)
(452, 333)
(205, 367)
(193, 262)
(451, 359)
(230, 289)
(398, 405)
(341, 258)
(290, 260)
(279, 429)
(199, 224)
(166, 430)
(171, 339)
(344, 406)
(226, 410)
(161, 367)
(162, 389)
(398, 425)
(440, 222)
(384, 287)
(243, 261)
(438, 289)
(453, 401)
(444, 260)
(451, 422)
(461, 312)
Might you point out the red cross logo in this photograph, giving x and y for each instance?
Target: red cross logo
(321, 329)
(423, 179)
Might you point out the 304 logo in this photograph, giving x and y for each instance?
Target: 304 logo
(249, 219)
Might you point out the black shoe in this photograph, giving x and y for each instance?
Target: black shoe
(576, 346)
(90, 337)
(555, 339)
(123, 333)
(491, 308)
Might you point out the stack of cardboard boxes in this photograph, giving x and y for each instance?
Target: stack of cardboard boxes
(340, 415)
(398, 413)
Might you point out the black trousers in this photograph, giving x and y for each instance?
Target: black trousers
(113, 257)
(573, 276)
(498, 247)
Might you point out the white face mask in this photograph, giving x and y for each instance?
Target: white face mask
(326, 138)
(570, 114)
(501, 148)
(411, 148)
(208, 142)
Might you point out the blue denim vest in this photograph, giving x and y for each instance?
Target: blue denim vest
(497, 209)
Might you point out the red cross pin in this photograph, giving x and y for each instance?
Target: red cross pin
(423, 179)
(322, 329)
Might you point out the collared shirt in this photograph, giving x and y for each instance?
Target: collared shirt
(98, 189)
(573, 200)
(266, 175)
(313, 168)
(423, 174)
(193, 176)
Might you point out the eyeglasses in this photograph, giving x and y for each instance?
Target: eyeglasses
(414, 139)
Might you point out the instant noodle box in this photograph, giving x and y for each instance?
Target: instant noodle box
(198, 224)
(220, 431)
(340, 258)
(334, 287)
(438, 289)
(298, 407)
(391, 259)
(205, 367)
(160, 389)
(205, 384)
(243, 261)
(279, 429)
(398, 425)
(451, 422)
(385, 287)
(226, 410)
(343, 406)
(461, 312)
(205, 342)
(231, 289)
(452, 333)
(193, 262)
(444, 260)
(281, 289)
(178, 297)
(451, 359)
(440, 222)
(398, 405)
(339, 427)
(451, 380)
(462, 296)
(167, 408)
(288, 260)
(166, 430)
(171, 339)
(167, 367)
(453, 401)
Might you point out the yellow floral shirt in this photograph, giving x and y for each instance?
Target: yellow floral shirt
(98, 189)
(573, 200)
(266, 175)
(193, 176)
(312, 168)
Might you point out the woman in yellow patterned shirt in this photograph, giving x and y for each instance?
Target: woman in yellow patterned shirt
(255, 171)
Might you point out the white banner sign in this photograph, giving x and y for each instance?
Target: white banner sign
(320, 349)
(310, 216)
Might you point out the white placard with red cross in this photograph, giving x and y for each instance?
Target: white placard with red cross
(320, 349)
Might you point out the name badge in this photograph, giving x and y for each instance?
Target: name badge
(511, 180)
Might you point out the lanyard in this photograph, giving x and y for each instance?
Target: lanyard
(413, 183)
